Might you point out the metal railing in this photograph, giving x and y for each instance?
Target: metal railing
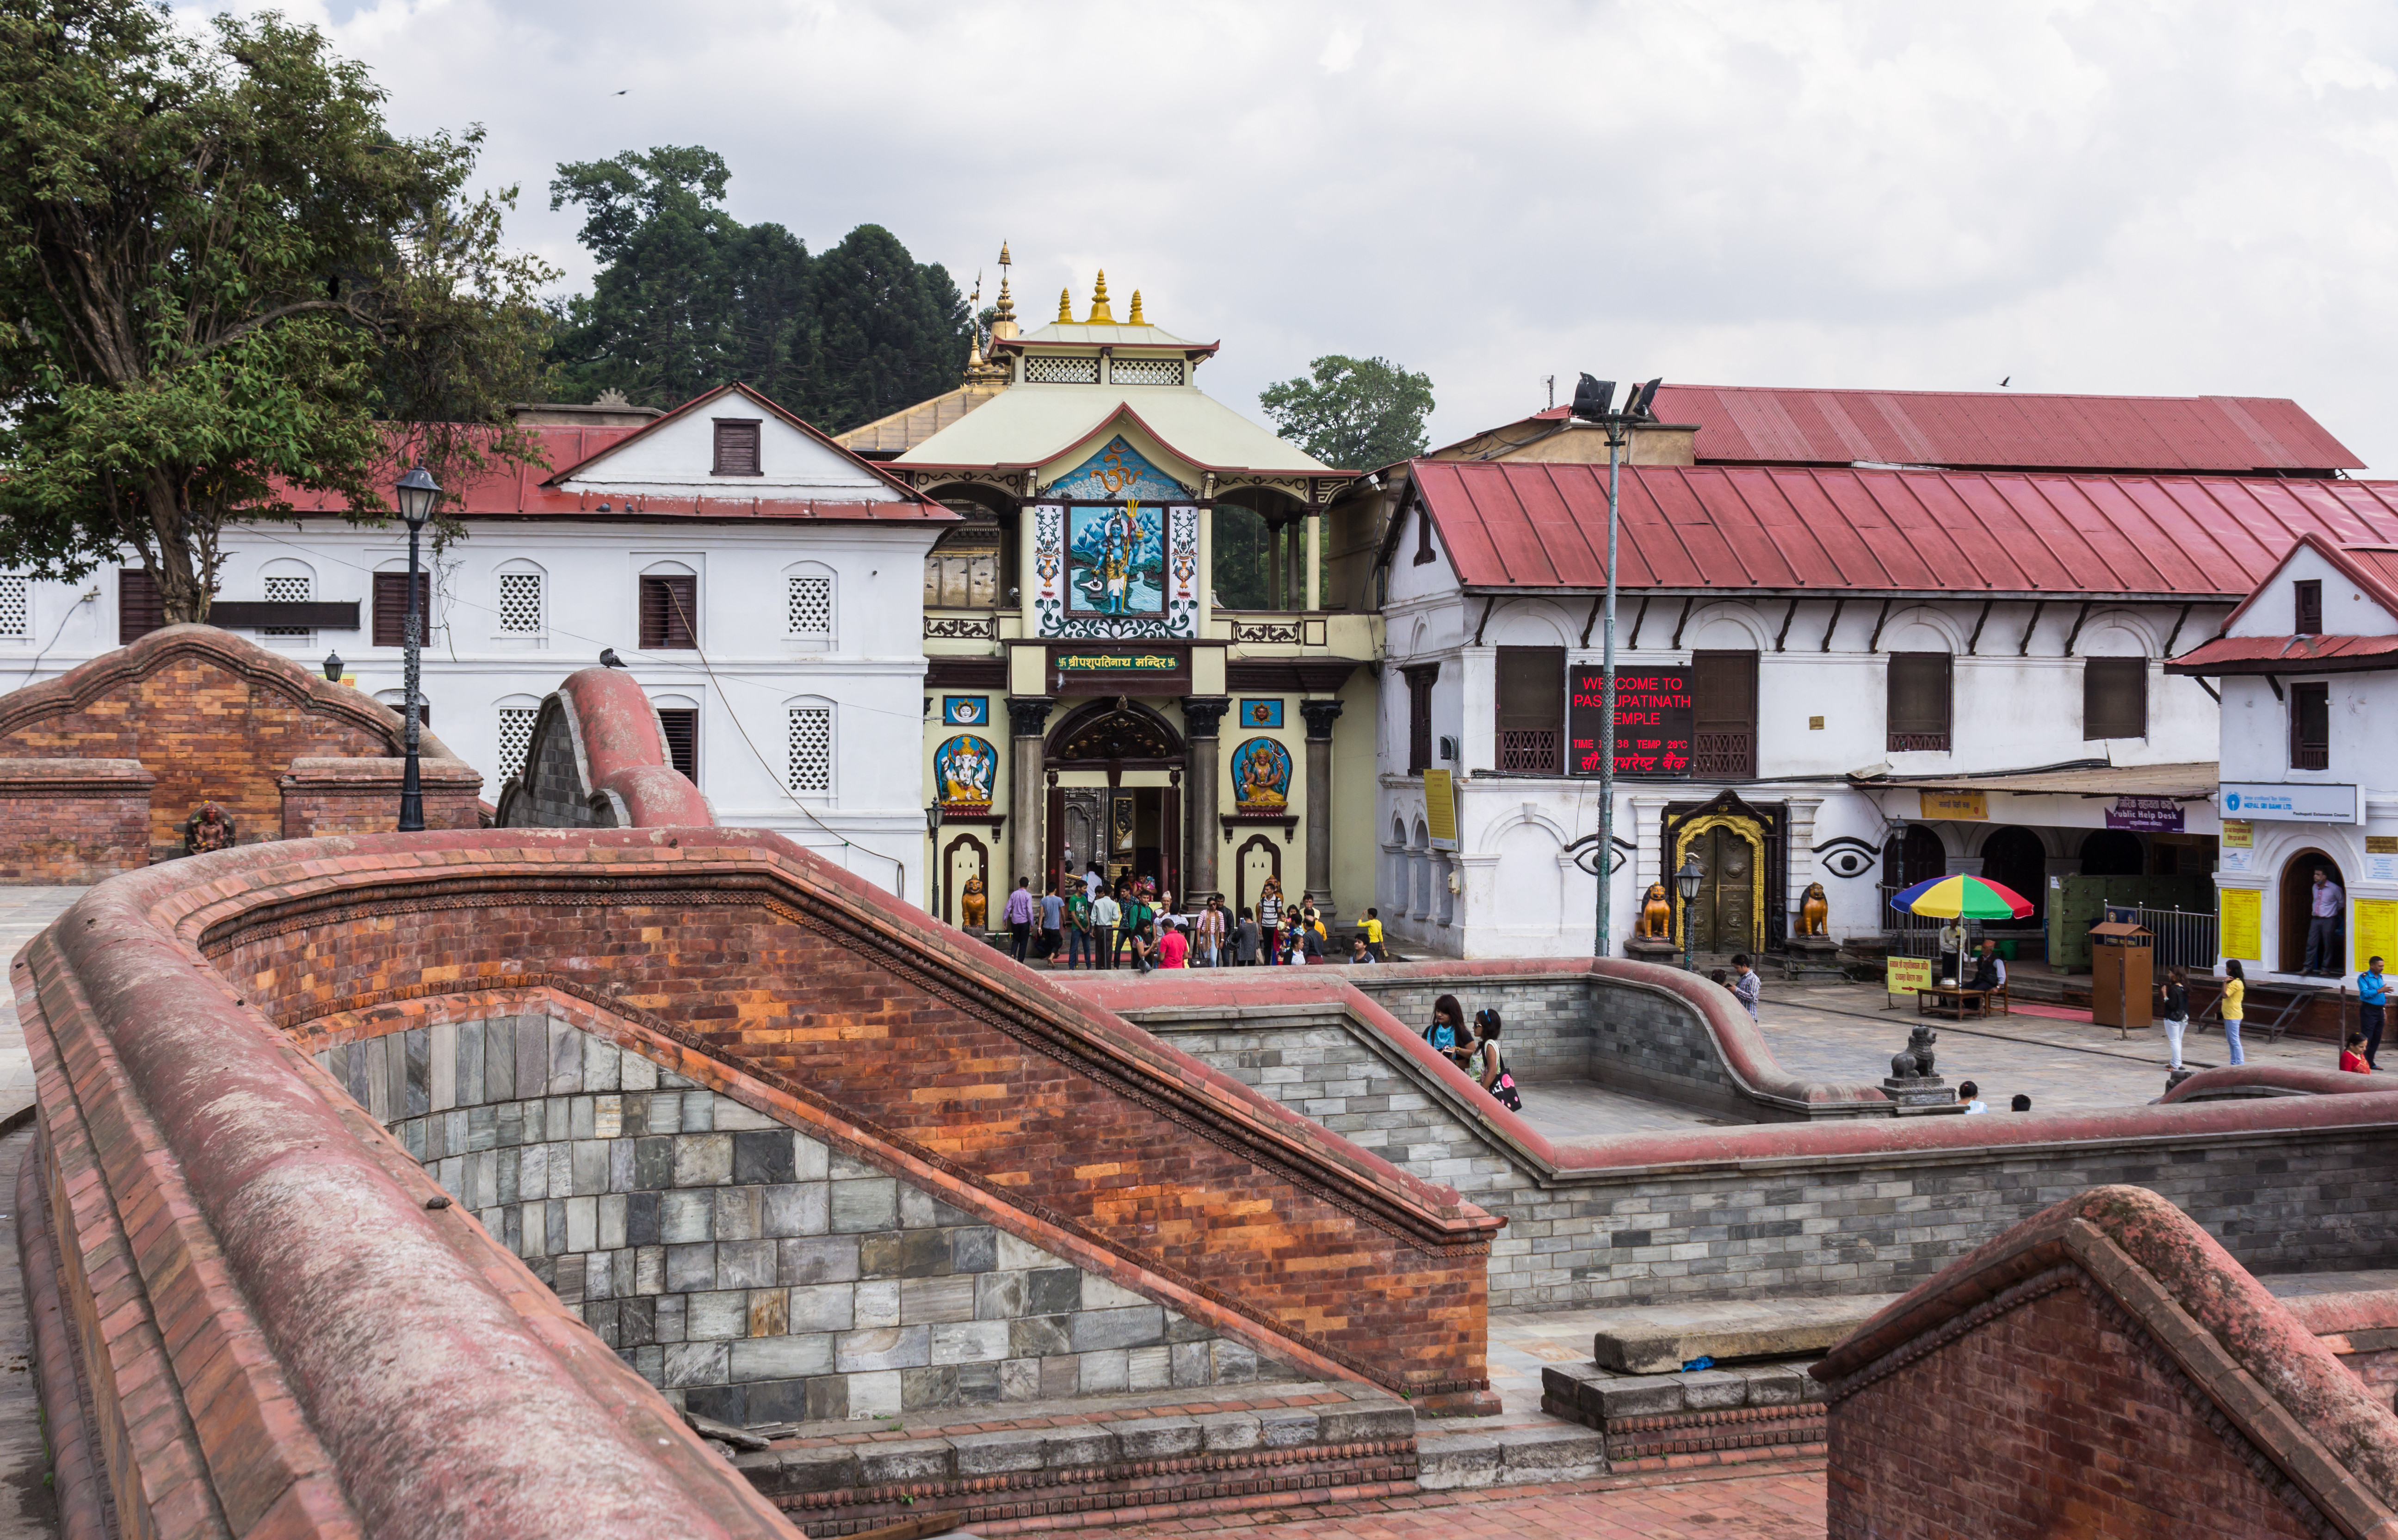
(1723, 756)
(1530, 753)
(1919, 742)
(1905, 935)
(2184, 938)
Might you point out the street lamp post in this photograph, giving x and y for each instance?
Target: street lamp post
(417, 494)
(932, 832)
(1688, 879)
(1591, 402)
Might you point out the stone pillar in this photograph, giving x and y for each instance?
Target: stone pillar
(1314, 561)
(1201, 716)
(1028, 791)
(1320, 717)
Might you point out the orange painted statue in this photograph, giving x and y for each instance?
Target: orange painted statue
(1814, 910)
(1656, 915)
(973, 903)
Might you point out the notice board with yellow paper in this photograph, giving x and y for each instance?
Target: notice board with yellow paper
(1440, 810)
(2374, 931)
(2241, 915)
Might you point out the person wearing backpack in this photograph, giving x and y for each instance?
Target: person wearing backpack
(1495, 1077)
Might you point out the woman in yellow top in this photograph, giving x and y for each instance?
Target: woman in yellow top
(2235, 995)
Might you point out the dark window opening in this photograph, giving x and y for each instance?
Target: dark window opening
(736, 448)
(2115, 698)
(1532, 710)
(2310, 607)
(681, 725)
(1919, 685)
(2112, 852)
(2310, 726)
(1424, 552)
(1723, 727)
(1420, 680)
(669, 613)
(391, 608)
(141, 609)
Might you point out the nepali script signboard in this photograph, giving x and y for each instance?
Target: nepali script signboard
(1653, 720)
(1907, 975)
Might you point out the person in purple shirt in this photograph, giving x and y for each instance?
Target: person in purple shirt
(2323, 925)
(1018, 915)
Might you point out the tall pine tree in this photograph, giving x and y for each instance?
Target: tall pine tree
(688, 297)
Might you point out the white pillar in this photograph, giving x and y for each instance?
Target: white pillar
(1315, 560)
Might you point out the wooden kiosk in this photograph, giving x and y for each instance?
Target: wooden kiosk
(2123, 982)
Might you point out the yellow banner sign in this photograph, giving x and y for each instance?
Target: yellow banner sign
(2375, 929)
(2381, 844)
(1908, 974)
(1440, 810)
(2241, 913)
(1118, 663)
(2238, 834)
(1968, 805)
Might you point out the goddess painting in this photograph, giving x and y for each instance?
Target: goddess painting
(964, 768)
(1262, 775)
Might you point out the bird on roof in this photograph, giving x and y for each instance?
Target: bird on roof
(2002, 385)
(608, 659)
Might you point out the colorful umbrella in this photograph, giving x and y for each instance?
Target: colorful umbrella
(1961, 898)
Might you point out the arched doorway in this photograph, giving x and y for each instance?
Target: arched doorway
(2112, 852)
(1724, 916)
(1127, 830)
(2298, 909)
(1913, 856)
(2015, 858)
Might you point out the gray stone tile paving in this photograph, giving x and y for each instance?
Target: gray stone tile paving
(1581, 1109)
(27, 1510)
(24, 911)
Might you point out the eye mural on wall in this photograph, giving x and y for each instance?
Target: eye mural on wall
(1848, 856)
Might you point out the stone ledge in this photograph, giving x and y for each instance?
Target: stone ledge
(1661, 1338)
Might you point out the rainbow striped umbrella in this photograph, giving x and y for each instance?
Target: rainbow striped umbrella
(1961, 898)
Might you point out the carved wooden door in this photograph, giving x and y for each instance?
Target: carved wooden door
(1724, 919)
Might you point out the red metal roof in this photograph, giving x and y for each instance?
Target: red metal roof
(2287, 655)
(1519, 524)
(1989, 429)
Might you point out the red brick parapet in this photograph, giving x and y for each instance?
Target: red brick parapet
(280, 1335)
(2255, 1360)
(2234, 1080)
(617, 749)
(73, 820)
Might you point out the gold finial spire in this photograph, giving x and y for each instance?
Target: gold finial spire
(1136, 320)
(1100, 315)
(1066, 305)
(1003, 260)
(973, 329)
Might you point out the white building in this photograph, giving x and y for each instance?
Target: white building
(2309, 665)
(763, 585)
(1862, 676)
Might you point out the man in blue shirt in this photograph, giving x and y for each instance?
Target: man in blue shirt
(1053, 923)
(2372, 994)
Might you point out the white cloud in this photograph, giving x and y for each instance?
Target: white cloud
(2122, 196)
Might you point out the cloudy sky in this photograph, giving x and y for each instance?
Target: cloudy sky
(2126, 196)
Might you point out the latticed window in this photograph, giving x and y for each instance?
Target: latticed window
(16, 605)
(1062, 372)
(1146, 371)
(286, 591)
(810, 607)
(516, 738)
(811, 748)
(520, 603)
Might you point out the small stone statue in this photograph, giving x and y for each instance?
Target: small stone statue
(973, 903)
(1814, 911)
(1914, 1062)
(1656, 914)
(208, 829)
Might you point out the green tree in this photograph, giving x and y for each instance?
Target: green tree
(1353, 413)
(690, 298)
(225, 279)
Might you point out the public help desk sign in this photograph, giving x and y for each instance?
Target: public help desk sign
(1653, 720)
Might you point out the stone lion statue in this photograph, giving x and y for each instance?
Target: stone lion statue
(973, 903)
(1656, 914)
(1814, 910)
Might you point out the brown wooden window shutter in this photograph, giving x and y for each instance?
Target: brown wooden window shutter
(391, 608)
(2308, 619)
(1531, 696)
(2310, 726)
(736, 448)
(1420, 680)
(1723, 725)
(670, 611)
(2115, 698)
(141, 609)
(1919, 704)
(682, 725)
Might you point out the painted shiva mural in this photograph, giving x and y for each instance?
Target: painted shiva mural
(964, 768)
(1115, 571)
(1115, 560)
(1262, 776)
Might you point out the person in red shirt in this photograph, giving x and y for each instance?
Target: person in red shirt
(2351, 1058)
(1173, 951)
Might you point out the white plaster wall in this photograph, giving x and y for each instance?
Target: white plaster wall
(2256, 730)
(679, 457)
(2346, 611)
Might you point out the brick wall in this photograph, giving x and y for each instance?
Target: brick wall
(2060, 1415)
(73, 820)
(213, 717)
(322, 796)
(750, 1271)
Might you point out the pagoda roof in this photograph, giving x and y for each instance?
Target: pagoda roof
(1081, 334)
(1031, 425)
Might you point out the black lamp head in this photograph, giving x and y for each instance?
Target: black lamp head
(418, 492)
(333, 667)
(1591, 398)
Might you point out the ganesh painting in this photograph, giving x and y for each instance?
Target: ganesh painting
(1262, 775)
(964, 768)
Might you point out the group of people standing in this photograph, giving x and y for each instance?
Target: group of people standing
(1093, 923)
(1473, 1048)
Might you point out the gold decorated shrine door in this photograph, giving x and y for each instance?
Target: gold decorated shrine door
(1724, 917)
